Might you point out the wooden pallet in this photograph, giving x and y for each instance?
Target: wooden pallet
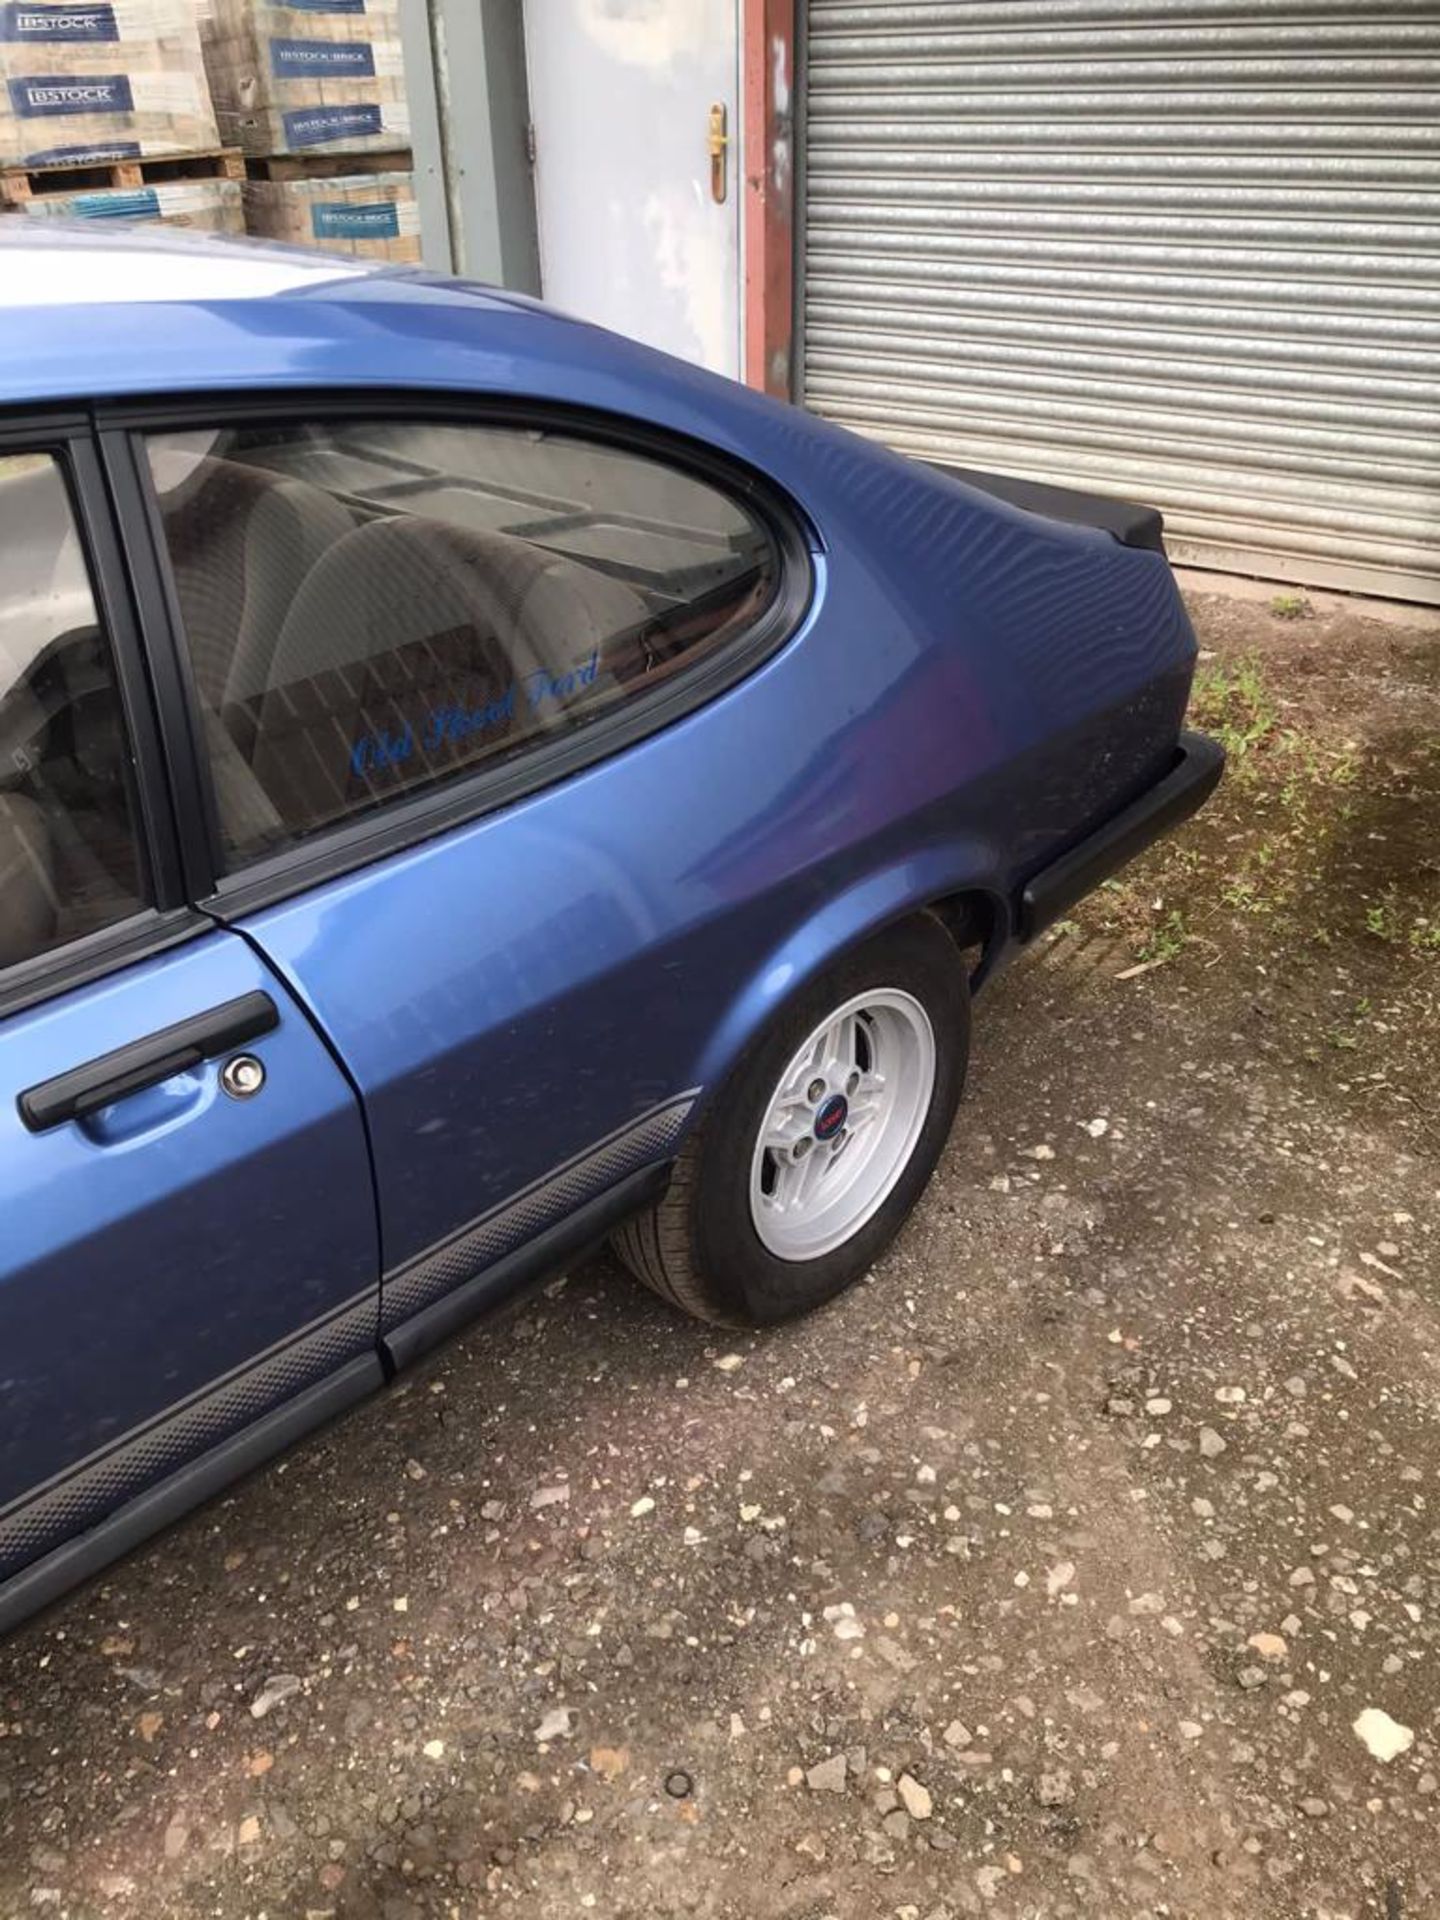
(19, 184)
(325, 166)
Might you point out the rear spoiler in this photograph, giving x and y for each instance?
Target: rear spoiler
(1132, 526)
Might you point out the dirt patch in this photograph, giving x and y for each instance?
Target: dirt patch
(1317, 867)
(1047, 1574)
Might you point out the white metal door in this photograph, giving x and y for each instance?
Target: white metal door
(1187, 250)
(631, 233)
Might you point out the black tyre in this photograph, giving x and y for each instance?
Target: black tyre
(821, 1142)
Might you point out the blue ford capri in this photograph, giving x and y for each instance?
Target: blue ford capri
(470, 786)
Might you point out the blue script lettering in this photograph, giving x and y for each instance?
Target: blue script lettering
(382, 752)
(543, 686)
(376, 752)
(459, 723)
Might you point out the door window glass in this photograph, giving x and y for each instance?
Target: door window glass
(69, 851)
(374, 607)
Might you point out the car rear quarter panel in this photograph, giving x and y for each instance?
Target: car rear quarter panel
(968, 691)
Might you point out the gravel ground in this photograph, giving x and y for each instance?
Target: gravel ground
(1083, 1561)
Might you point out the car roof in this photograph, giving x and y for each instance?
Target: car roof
(98, 313)
(94, 311)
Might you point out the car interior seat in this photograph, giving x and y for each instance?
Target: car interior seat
(242, 541)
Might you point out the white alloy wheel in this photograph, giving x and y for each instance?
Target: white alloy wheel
(840, 1127)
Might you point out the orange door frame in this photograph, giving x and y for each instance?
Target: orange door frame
(767, 130)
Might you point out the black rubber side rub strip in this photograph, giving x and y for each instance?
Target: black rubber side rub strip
(1131, 525)
(144, 1063)
(199, 1479)
(1193, 777)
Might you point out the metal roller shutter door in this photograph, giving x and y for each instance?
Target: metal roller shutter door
(1182, 250)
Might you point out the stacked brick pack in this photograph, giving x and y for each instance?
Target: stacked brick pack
(314, 76)
(101, 80)
(207, 206)
(371, 215)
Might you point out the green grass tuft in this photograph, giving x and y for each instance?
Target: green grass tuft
(1232, 701)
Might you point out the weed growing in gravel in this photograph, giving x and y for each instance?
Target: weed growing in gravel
(1290, 606)
(1310, 765)
(1232, 701)
(1383, 919)
(1167, 940)
(1386, 920)
(1245, 896)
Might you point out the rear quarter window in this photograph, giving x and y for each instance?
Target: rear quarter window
(374, 607)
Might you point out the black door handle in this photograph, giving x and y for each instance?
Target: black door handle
(70, 1096)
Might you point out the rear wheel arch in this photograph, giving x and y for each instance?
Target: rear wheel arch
(933, 884)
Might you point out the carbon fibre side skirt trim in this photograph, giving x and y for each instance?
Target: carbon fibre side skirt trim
(187, 1487)
(106, 1482)
(465, 1255)
(513, 1276)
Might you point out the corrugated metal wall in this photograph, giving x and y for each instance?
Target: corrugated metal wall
(1184, 250)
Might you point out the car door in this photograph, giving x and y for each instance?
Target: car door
(418, 650)
(189, 1236)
